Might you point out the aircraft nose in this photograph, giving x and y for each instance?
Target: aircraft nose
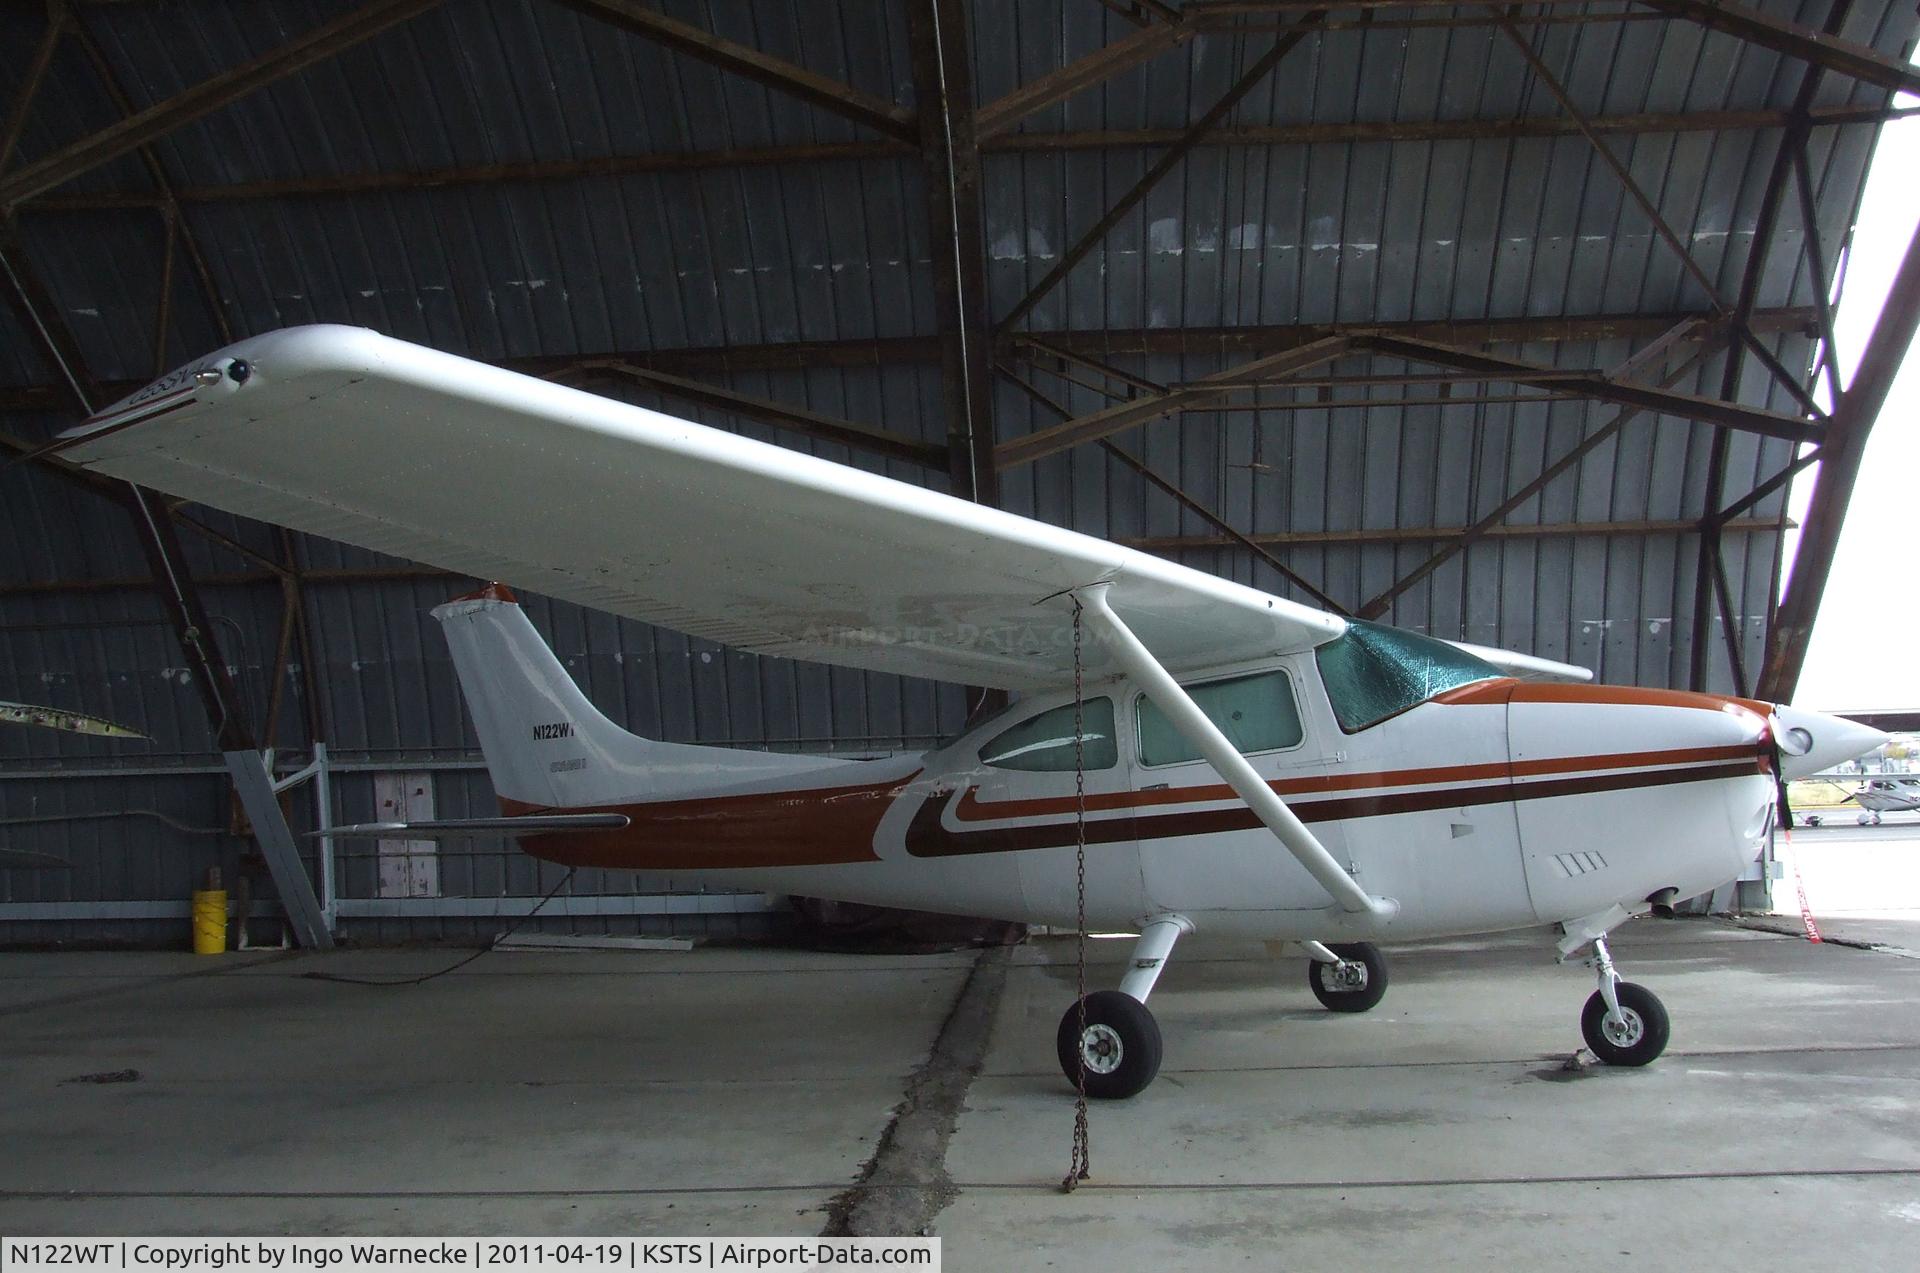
(1810, 742)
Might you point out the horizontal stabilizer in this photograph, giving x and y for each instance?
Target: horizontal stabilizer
(446, 828)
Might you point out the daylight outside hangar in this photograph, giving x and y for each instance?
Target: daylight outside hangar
(1507, 326)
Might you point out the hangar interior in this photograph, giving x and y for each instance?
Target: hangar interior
(1509, 325)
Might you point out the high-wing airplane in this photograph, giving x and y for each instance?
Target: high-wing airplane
(1235, 762)
(1892, 794)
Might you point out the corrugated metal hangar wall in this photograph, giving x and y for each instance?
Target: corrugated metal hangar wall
(1525, 233)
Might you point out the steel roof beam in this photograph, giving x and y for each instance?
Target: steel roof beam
(37, 65)
(169, 206)
(1821, 49)
(1107, 342)
(1418, 535)
(1147, 407)
(1174, 156)
(813, 424)
(828, 94)
(1304, 134)
(1822, 277)
(1709, 577)
(1714, 411)
(1379, 604)
(204, 98)
(1652, 212)
(1186, 501)
(1847, 430)
(1003, 112)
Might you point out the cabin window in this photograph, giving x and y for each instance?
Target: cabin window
(1256, 713)
(1044, 744)
(1373, 672)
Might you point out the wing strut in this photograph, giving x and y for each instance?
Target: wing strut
(1158, 684)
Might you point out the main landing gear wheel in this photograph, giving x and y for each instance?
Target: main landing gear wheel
(1121, 1045)
(1354, 984)
(1636, 1036)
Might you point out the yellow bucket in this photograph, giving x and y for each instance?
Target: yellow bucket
(210, 922)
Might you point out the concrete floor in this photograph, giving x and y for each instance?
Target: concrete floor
(740, 1091)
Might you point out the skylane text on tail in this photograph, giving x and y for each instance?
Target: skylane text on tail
(1251, 766)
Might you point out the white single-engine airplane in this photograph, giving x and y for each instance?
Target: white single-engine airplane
(1892, 794)
(1251, 766)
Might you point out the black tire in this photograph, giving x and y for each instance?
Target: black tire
(1359, 998)
(1647, 1032)
(1124, 1052)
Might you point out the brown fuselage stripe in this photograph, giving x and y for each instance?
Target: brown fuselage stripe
(927, 837)
(821, 826)
(971, 808)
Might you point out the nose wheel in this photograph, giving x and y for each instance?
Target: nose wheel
(1632, 1032)
(1623, 1023)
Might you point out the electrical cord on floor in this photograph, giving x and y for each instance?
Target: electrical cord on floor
(455, 967)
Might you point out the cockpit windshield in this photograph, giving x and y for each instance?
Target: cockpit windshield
(1373, 672)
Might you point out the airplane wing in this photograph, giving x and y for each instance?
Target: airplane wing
(355, 436)
(359, 437)
(1527, 667)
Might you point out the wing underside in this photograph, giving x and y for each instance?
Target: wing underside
(373, 441)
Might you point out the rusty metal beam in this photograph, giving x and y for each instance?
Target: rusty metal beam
(1379, 604)
(1173, 158)
(206, 97)
(1818, 48)
(1729, 622)
(1302, 134)
(860, 437)
(1057, 85)
(180, 599)
(1847, 431)
(950, 158)
(1249, 341)
(1186, 501)
(828, 94)
(1726, 515)
(16, 121)
(1651, 211)
(1709, 579)
(1720, 414)
(169, 206)
(1434, 534)
(1817, 267)
(1126, 415)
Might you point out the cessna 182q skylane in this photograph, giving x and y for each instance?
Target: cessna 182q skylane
(1251, 766)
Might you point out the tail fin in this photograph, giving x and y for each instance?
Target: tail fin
(547, 746)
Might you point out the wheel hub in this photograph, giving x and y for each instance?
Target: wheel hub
(1101, 1049)
(1625, 1030)
(1350, 974)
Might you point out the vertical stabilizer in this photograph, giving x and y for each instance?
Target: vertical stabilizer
(547, 746)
